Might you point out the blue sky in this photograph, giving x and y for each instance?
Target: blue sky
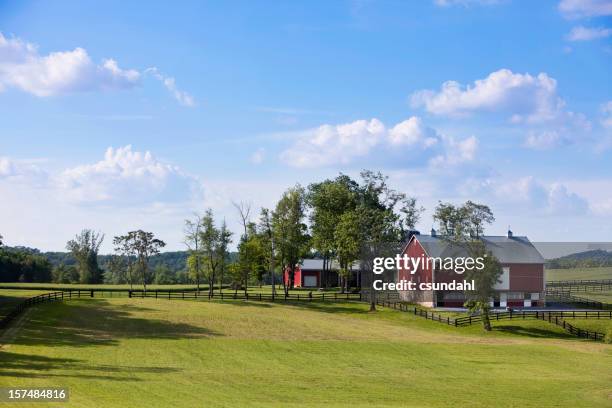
(503, 102)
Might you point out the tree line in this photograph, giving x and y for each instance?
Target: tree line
(337, 220)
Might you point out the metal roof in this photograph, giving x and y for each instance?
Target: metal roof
(506, 249)
(317, 265)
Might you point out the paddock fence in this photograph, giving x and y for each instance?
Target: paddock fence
(557, 317)
(29, 302)
(581, 285)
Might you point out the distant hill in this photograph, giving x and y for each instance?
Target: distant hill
(586, 259)
(175, 260)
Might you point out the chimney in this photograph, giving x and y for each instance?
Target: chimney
(509, 232)
(433, 232)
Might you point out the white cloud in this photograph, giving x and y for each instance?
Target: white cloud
(335, 144)
(412, 131)
(581, 33)
(554, 199)
(21, 170)
(258, 156)
(182, 97)
(573, 9)
(544, 140)
(127, 177)
(457, 152)
(525, 97)
(341, 144)
(22, 67)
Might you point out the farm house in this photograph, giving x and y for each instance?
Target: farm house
(521, 284)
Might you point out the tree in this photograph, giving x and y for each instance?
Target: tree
(463, 226)
(115, 270)
(143, 245)
(290, 232)
(195, 261)
(411, 213)
(452, 220)
(479, 299)
(84, 248)
(65, 274)
(210, 238)
(381, 226)
(265, 223)
(225, 239)
(125, 249)
(163, 275)
(476, 216)
(328, 201)
(192, 240)
(348, 243)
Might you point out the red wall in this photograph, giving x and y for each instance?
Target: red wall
(298, 281)
(526, 277)
(297, 277)
(415, 250)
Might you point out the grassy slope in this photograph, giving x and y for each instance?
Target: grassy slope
(605, 297)
(579, 273)
(10, 298)
(153, 353)
(598, 325)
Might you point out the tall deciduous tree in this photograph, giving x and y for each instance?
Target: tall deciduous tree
(380, 224)
(478, 300)
(348, 242)
(265, 223)
(290, 232)
(143, 245)
(328, 201)
(192, 241)
(84, 248)
(225, 239)
(125, 252)
(463, 226)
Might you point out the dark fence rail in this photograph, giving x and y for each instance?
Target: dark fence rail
(280, 296)
(581, 285)
(22, 306)
(567, 297)
(552, 317)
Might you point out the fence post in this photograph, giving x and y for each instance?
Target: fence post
(91, 293)
(129, 293)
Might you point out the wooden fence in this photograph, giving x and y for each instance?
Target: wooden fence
(268, 297)
(567, 297)
(21, 307)
(581, 285)
(552, 317)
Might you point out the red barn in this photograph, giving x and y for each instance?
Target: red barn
(522, 281)
(309, 274)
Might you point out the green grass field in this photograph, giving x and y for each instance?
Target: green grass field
(159, 353)
(10, 298)
(604, 297)
(578, 273)
(598, 325)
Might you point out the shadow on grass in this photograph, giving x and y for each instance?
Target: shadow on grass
(330, 307)
(97, 322)
(242, 302)
(533, 332)
(8, 303)
(32, 366)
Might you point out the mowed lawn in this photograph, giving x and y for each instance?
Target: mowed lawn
(159, 353)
